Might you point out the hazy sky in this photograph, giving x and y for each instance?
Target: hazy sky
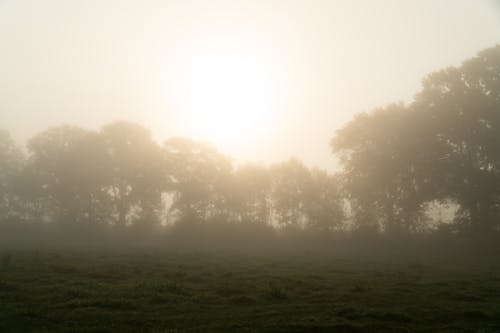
(262, 80)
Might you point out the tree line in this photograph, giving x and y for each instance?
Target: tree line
(122, 177)
(441, 149)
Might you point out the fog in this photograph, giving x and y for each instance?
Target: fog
(258, 167)
(152, 62)
(423, 170)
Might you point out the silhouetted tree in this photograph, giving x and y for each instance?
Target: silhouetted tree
(291, 185)
(462, 106)
(324, 204)
(443, 146)
(248, 195)
(303, 198)
(11, 163)
(383, 175)
(197, 174)
(65, 169)
(136, 175)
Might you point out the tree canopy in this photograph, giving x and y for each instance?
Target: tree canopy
(442, 146)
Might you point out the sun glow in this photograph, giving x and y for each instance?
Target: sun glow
(226, 98)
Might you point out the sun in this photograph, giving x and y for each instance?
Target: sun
(225, 98)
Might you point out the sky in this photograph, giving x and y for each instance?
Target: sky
(263, 80)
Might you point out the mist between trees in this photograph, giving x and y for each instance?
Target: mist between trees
(425, 170)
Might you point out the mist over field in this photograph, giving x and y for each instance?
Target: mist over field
(218, 209)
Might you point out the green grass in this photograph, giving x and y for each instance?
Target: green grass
(44, 291)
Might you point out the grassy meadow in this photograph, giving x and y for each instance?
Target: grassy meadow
(182, 291)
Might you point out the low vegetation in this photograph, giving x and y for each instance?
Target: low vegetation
(176, 291)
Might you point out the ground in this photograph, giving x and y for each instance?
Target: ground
(173, 291)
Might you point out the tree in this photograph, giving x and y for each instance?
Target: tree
(324, 204)
(385, 176)
(11, 163)
(198, 175)
(249, 195)
(463, 107)
(291, 184)
(442, 146)
(136, 176)
(65, 166)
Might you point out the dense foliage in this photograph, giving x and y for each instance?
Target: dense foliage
(442, 147)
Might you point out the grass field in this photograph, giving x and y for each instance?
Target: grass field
(106, 291)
